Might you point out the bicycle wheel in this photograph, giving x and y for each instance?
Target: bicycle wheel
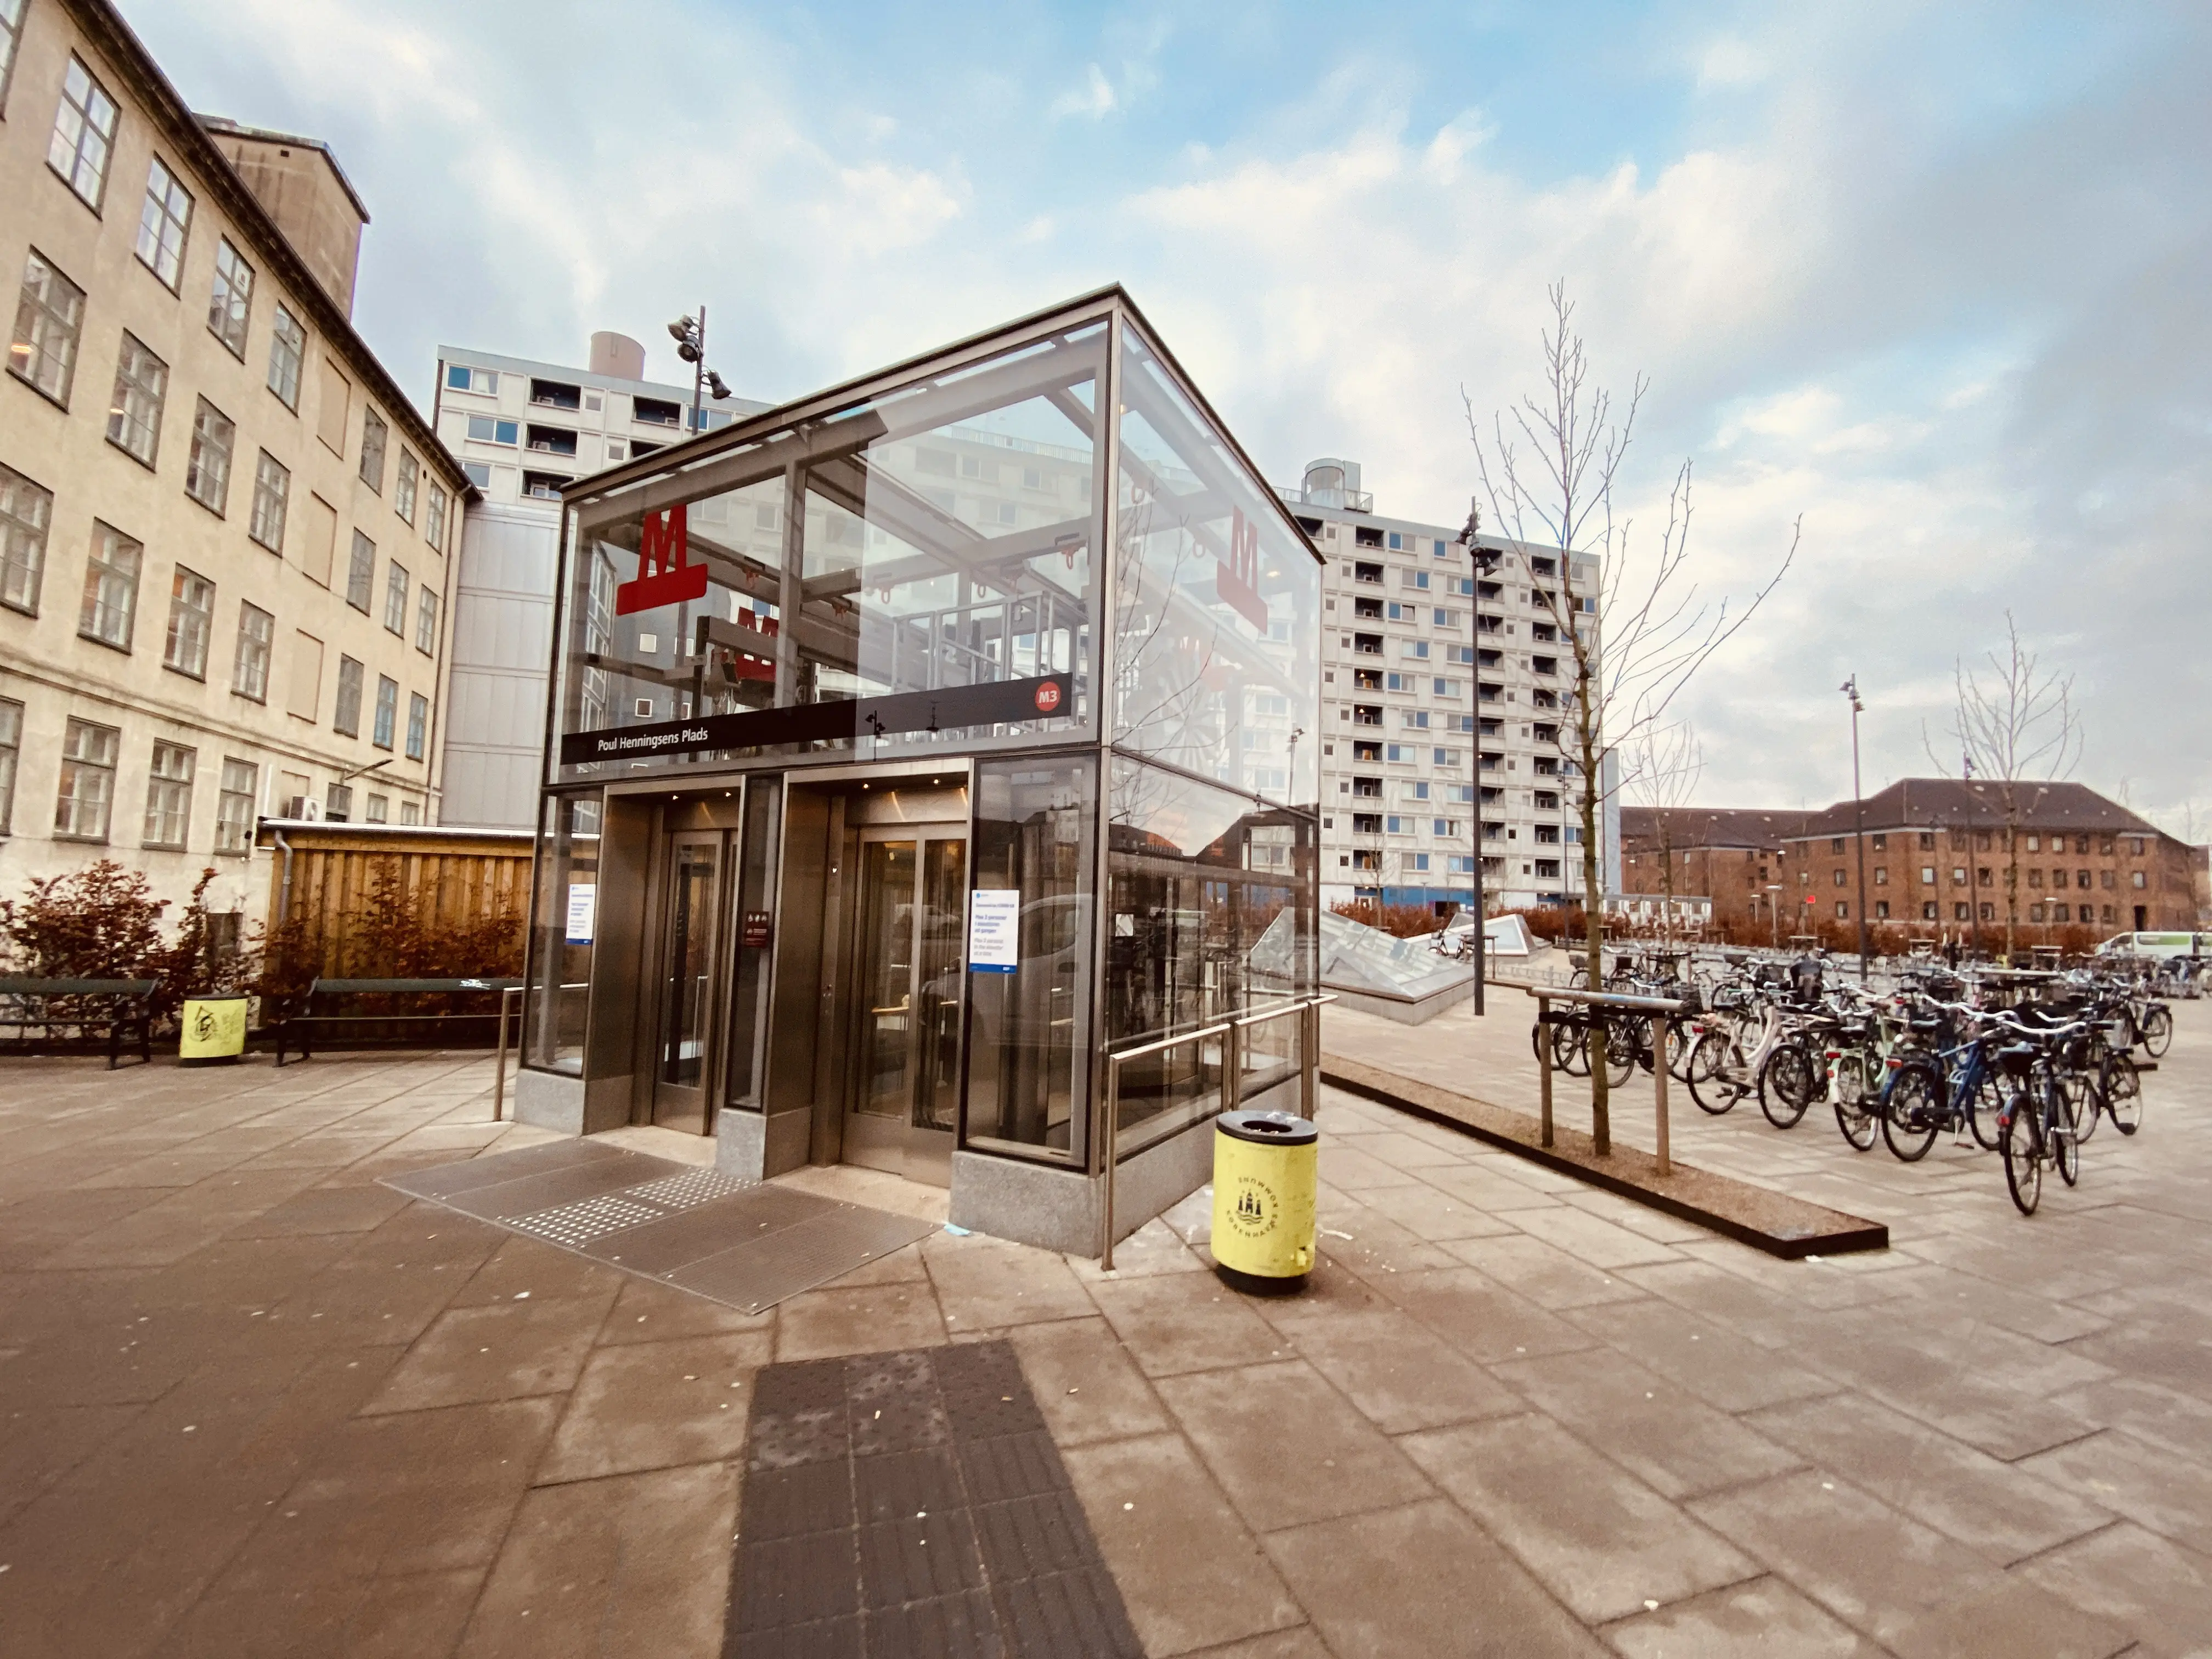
(2063, 1130)
(1855, 1104)
(1570, 1049)
(1909, 1117)
(1981, 1112)
(1713, 1070)
(1786, 1085)
(2083, 1096)
(2121, 1090)
(2157, 1032)
(1621, 1052)
(2020, 1138)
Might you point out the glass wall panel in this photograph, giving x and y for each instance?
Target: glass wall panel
(1028, 1043)
(1217, 603)
(564, 923)
(753, 934)
(1210, 913)
(912, 573)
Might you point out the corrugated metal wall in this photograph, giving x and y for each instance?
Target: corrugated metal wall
(454, 881)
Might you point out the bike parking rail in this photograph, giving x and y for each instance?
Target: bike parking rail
(1671, 1008)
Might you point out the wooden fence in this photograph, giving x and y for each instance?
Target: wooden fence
(454, 878)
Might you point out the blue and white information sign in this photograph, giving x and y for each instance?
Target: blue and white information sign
(583, 912)
(994, 930)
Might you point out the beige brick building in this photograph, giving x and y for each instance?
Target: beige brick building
(224, 531)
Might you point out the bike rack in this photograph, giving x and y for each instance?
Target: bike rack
(1545, 995)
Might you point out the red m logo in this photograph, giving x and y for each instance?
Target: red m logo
(1236, 578)
(663, 577)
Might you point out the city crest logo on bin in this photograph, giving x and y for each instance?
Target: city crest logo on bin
(203, 1022)
(1256, 1208)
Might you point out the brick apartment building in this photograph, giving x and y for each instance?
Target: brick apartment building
(1935, 861)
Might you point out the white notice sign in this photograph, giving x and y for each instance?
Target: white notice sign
(583, 911)
(994, 930)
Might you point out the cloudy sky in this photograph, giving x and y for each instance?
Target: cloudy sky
(1937, 277)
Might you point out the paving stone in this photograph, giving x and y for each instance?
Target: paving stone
(501, 1351)
(817, 1322)
(1399, 1376)
(1754, 1620)
(1084, 1383)
(1287, 1447)
(2138, 1580)
(1173, 1322)
(2146, 1483)
(2004, 1621)
(653, 1404)
(1543, 1273)
(1481, 1318)
(1597, 1538)
(987, 1284)
(1370, 1582)
(1709, 1360)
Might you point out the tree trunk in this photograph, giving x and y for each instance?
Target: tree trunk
(1593, 920)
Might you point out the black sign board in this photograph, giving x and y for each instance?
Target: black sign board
(1001, 702)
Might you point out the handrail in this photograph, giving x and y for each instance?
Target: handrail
(1231, 1030)
(1597, 998)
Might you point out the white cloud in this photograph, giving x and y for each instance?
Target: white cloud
(1093, 101)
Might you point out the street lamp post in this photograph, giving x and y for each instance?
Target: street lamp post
(690, 334)
(1774, 911)
(1483, 561)
(1850, 689)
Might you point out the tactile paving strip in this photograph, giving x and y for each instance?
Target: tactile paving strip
(913, 1503)
(578, 1225)
(746, 1245)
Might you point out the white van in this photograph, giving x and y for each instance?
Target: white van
(2161, 947)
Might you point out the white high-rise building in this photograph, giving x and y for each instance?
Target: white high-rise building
(1443, 691)
(521, 430)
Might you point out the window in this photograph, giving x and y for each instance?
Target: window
(1402, 751)
(11, 35)
(1960, 912)
(1928, 842)
(459, 378)
(1882, 909)
(418, 724)
(1444, 757)
(1443, 549)
(337, 804)
(1398, 826)
(110, 588)
(134, 414)
(87, 785)
(395, 598)
(231, 302)
(169, 795)
(1839, 878)
(1837, 845)
(1416, 649)
(249, 669)
(272, 488)
(1397, 541)
(1843, 911)
(1958, 876)
(11, 742)
(207, 472)
(434, 521)
(1418, 862)
(2104, 878)
(2139, 879)
(378, 811)
(426, 621)
(48, 315)
(1446, 688)
(489, 429)
(345, 718)
(84, 137)
(1442, 827)
(2081, 879)
(479, 473)
(234, 805)
(387, 711)
(1444, 618)
(307, 676)
(375, 434)
(361, 574)
(2059, 913)
(1881, 875)
(1879, 843)
(1928, 910)
(2035, 843)
(402, 487)
(1926, 875)
(1417, 719)
(162, 224)
(1988, 912)
(26, 512)
(1982, 876)
(288, 357)
(410, 811)
(1459, 654)
(191, 624)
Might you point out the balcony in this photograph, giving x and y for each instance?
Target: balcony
(1367, 609)
(556, 394)
(1367, 645)
(1365, 572)
(1546, 734)
(1366, 714)
(552, 440)
(656, 411)
(1369, 788)
(1544, 699)
(1367, 679)
(1484, 623)
(1366, 824)
(1547, 801)
(1486, 658)
(1368, 753)
(1487, 693)
(1544, 665)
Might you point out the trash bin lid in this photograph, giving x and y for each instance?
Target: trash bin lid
(1269, 1128)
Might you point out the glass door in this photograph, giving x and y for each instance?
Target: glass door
(681, 1056)
(909, 922)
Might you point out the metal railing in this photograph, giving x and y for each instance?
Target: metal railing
(1231, 1031)
(499, 1066)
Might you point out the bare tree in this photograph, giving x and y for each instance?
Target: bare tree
(2015, 724)
(1549, 466)
(1662, 771)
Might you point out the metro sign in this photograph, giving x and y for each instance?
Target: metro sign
(663, 577)
(1236, 578)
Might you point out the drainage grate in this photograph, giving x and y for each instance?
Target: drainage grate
(913, 1503)
(745, 1245)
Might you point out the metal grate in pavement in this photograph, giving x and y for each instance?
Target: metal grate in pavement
(912, 1503)
(745, 1245)
(577, 1224)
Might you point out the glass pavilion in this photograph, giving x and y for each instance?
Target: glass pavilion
(931, 780)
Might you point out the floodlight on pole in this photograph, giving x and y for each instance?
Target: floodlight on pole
(1483, 559)
(1850, 689)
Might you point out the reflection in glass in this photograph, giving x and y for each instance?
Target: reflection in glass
(1028, 1044)
(944, 536)
(1204, 885)
(690, 962)
(752, 936)
(564, 923)
(944, 918)
(886, 979)
(1216, 603)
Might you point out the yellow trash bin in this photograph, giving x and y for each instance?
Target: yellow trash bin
(211, 1031)
(1264, 1168)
